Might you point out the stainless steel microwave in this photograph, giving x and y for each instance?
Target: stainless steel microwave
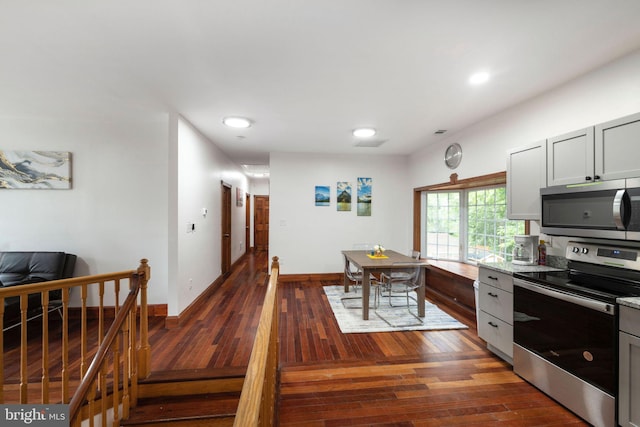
(601, 209)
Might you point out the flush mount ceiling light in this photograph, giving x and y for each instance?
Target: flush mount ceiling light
(237, 122)
(364, 132)
(479, 78)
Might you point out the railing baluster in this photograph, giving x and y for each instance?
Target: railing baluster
(83, 332)
(133, 375)
(24, 379)
(65, 346)
(102, 378)
(117, 295)
(116, 379)
(126, 362)
(100, 312)
(44, 297)
(144, 352)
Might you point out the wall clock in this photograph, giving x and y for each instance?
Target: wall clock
(453, 156)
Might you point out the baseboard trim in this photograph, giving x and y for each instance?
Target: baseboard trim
(175, 321)
(310, 277)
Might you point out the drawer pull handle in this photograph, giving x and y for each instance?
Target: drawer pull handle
(491, 294)
(492, 324)
(492, 277)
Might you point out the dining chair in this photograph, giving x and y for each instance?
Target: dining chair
(404, 282)
(355, 278)
(403, 286)
(401, 275)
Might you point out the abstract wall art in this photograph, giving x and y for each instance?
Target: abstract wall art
(35, 170)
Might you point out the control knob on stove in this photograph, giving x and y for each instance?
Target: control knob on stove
(575, 250)
(585, 250)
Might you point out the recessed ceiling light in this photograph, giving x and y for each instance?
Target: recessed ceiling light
(479, 78)
(237, 122)
(364, 132)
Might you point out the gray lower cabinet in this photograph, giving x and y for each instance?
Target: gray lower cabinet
(629, 369)
(495, 315)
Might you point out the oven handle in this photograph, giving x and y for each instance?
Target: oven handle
(600, 306)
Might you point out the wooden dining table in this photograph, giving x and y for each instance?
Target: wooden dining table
(391, 261)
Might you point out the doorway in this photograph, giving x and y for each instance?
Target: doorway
(247, 223)
(261, 223)
(225, 215)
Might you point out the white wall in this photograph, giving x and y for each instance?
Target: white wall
(610, 92)
(201, 168)
(307, 238)
(116, 212)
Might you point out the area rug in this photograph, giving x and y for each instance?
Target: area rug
(350, 319)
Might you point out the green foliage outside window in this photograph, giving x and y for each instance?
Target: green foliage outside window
(470, 225)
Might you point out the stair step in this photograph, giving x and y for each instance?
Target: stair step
(192, 382)
(205, 409)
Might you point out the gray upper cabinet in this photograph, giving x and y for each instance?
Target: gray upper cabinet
(617, 148)
(526, 174)
(570, 158)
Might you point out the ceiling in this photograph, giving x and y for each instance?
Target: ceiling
(306, 72)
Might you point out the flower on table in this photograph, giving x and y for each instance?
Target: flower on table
(378, 248)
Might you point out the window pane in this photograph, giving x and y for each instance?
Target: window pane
(442, 226)
(488, 234)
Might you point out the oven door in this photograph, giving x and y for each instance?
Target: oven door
(572, 332)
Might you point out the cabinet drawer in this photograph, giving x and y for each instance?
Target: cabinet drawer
(496, 332)
(630, 320)
(495, 278)
(497, 302)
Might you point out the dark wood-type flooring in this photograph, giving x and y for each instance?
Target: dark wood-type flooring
(421, 378)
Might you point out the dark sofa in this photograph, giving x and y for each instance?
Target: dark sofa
(21, 268)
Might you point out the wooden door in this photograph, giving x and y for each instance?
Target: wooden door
(247, 223)
(261, 223)
(225, 216)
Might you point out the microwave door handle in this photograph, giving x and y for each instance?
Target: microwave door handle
(621, 207)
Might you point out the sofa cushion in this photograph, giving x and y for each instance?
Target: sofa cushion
(30, 267)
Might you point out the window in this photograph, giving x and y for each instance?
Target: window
(468, 225)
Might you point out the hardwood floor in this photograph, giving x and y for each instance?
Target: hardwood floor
(422, 378)
(434, 378)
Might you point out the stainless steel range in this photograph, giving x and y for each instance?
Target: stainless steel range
(566, 327)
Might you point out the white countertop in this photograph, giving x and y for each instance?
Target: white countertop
(509, 268)
(633, 302)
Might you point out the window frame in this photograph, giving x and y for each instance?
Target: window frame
(494, 179)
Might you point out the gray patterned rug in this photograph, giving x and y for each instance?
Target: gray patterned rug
(349, 314)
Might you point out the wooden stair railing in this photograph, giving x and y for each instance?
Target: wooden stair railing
(257, 399)
(125, 340)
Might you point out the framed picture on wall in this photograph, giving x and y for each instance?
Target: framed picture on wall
(343, 196)
(323, 195)
(46, 170)
(364, 196)
(239, 197)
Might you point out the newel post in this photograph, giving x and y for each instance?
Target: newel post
(275, 263)
(144, 351)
